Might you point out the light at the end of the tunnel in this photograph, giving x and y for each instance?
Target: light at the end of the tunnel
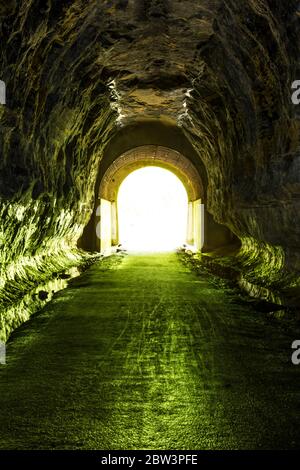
(153, 210)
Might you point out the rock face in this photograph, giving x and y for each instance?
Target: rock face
(78, 72)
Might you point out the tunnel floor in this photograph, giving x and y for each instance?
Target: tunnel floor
(141, 353)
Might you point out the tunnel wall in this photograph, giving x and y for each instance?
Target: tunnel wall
(246, 130)
(52, 129)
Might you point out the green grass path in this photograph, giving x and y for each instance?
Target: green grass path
(140, 353)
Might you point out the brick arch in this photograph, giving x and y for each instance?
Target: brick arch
(151, 155)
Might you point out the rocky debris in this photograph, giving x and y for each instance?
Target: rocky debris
(43, 295)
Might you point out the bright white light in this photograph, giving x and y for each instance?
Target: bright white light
(153, 210)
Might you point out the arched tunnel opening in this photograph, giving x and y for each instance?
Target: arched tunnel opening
(148, 220)
(92, 95)
(105, 221)
(101, 232)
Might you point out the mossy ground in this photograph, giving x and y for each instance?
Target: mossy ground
(139, 352)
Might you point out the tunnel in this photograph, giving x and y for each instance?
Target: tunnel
(139, 157)
(90, 93)
(167, 148)
(146, 156)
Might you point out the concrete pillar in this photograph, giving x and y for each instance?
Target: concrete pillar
(195, 225)
(105, 226)
(190, 224)
(114, 224)
(198, 223)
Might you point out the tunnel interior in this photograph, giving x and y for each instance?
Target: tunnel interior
(152, 221)
(86, 90)
(103, 348)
